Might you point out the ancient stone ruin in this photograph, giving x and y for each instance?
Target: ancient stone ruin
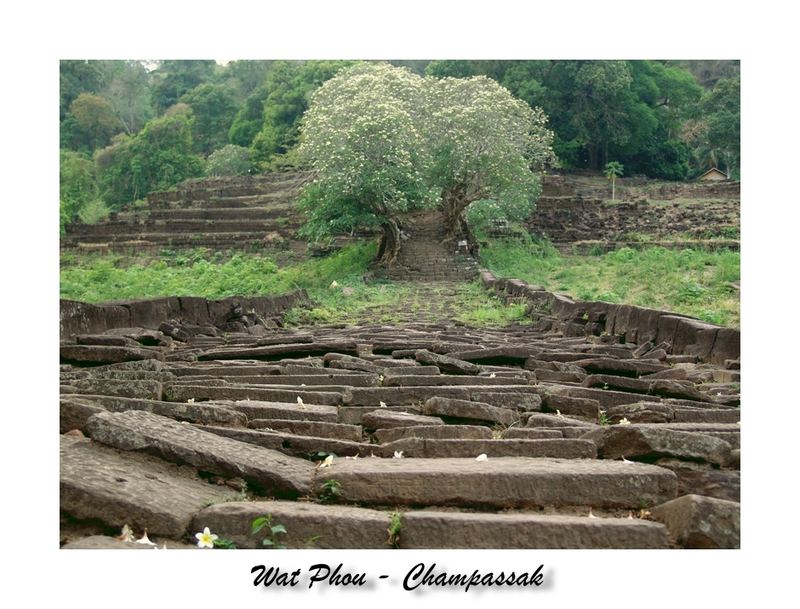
(259, 214)
(597, 426)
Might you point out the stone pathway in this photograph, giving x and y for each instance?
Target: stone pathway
(422, 434)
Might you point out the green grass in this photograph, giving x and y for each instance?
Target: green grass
(99, 278)
(696, 283)
(692, 282)
(102, 278)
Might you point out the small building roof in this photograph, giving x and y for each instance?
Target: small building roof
(713, 171)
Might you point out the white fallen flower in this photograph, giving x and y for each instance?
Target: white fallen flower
(127, 534)
(354, 457)
(383, 404)
(300, 402)
(326, 462)
(492, 375)
(206, 539)
(398, 454)
(624, 421)
(590, 514)
(624, 460)
(190, 401)
(145, 540)
(482, 457)
(630, 515)
(334, 284)
(558, 414)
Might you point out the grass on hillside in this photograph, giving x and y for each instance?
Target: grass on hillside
(101, 278)
(692, 282)
(697, 283)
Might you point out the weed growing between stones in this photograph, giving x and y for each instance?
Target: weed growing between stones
(331, 491)
(394, 530)
(271, 532)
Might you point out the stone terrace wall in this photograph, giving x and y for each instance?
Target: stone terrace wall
(682, 335)
(573, 212)
(85, 318)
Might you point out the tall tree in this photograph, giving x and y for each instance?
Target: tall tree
(90, 123)
(129, 94)
(486, 144)
(214, 108)
(157, 158)
(289, 86)
(362, 136)
(249, 119)
(173, 78)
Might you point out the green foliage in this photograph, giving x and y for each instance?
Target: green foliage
(692, 282)
(602, 417)
(249, 74)
(77, 185)
(94, 211)
(173, 78)
(288, 86)
(214, 108)
(484, 143)
(330, 491)
(129, 95)
(613, 170)
(103, 278)
(361, 135)
(270, 531)
(229, 160)
(80, 76)
(249, 119)
(157, 158)
(395, 526)
(715, 133)
(90, 124)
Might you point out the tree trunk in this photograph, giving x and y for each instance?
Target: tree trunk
(453, 204)
(592, 150)
(390, 244)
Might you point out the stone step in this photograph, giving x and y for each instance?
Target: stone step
(308, 525)
(118, 488)
(301, 446)
(319, 429)
(101, 354)
(193, 413)
(182, 393)
(438, 432)
(434, 530)
(384, 418)
(651, 442)
(532, 433)
(392, 380)
(503, 482)
(257, 409)
(266, 471)
(463, 410)
(281, 351)
(559, 448)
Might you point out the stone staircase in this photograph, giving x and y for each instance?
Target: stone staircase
(420, 435)
(251, 213)
(426, 255)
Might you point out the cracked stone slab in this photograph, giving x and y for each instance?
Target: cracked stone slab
(266, 470)
(102, 483)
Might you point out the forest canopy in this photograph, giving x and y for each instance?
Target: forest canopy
(131, 127)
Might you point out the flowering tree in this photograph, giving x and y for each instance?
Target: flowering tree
(486, 145)
(361, 135)
(384, 141)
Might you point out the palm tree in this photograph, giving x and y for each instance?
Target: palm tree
(613, 170)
